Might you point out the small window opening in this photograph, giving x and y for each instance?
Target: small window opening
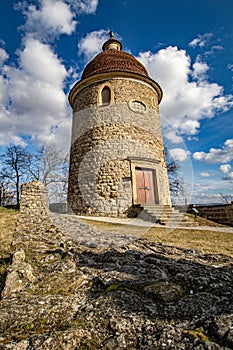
(106, 96)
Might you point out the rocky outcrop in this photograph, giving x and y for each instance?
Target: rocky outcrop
(139, 295)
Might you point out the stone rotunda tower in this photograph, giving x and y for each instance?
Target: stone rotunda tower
(117, 161)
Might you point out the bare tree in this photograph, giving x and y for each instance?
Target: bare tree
(226, 198)
(14, 165)
(50, 166)
(51, 162)
(6, 193)
(175, 183)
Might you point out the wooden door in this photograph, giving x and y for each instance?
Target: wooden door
(145, 186)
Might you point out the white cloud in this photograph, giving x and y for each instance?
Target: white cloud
(206, 198)
(92, 43)
(39, 61)
(225, 168)
(173, 136)
(190, 127)
(219, 155)
(3, 56)
(179, 154)
(201, 40)
(84, 6)
(50, 19)
(228, 176)
(3, 92)
(188, 96)
(34, 100)
(199, 69)
(205, 174)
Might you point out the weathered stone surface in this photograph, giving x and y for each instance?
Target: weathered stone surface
(141, 295)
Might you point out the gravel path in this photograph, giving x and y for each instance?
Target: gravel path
(89, 236)
(139, 222)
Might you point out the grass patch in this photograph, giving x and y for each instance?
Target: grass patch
(197, 333)
(210, 242)
(8, 218)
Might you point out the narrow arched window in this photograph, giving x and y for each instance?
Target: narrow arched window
(105, 96)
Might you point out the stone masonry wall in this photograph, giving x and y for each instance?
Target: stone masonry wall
(34, 208)
(222, 214)
(104, 140)
(124, 90)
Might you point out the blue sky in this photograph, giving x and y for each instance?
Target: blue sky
(185, 45)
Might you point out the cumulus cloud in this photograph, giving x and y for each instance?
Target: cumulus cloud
(217, 155)
(92, 43)
(172, 135)
(39, 61)
(228, 177)
(179, 154)
(34, 100)
(188, 96)
(199, 69)
(50, 19)
(225, 169)
(3, 56)
(84, 6)
(205, 174)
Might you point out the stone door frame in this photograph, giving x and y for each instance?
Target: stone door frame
(145, 164)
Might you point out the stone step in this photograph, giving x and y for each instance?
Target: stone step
(166, 215)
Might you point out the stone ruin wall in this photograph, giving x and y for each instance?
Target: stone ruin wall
(33, 223)
(222, 214)
(119, 134)
(34, 208)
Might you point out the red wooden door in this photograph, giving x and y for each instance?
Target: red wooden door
(145, 186)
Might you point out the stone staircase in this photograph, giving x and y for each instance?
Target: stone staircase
(166, 215)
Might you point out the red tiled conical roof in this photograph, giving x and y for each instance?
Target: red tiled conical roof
(112, 60)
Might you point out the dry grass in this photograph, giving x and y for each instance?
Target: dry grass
(8, 219)
(209, 241)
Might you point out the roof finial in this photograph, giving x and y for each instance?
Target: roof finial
(111, 34)
(112, 43)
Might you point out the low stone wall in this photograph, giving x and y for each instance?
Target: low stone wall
(34, 208)
(222, 214)
(33, 228)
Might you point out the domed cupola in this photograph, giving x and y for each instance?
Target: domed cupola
(113, 59)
